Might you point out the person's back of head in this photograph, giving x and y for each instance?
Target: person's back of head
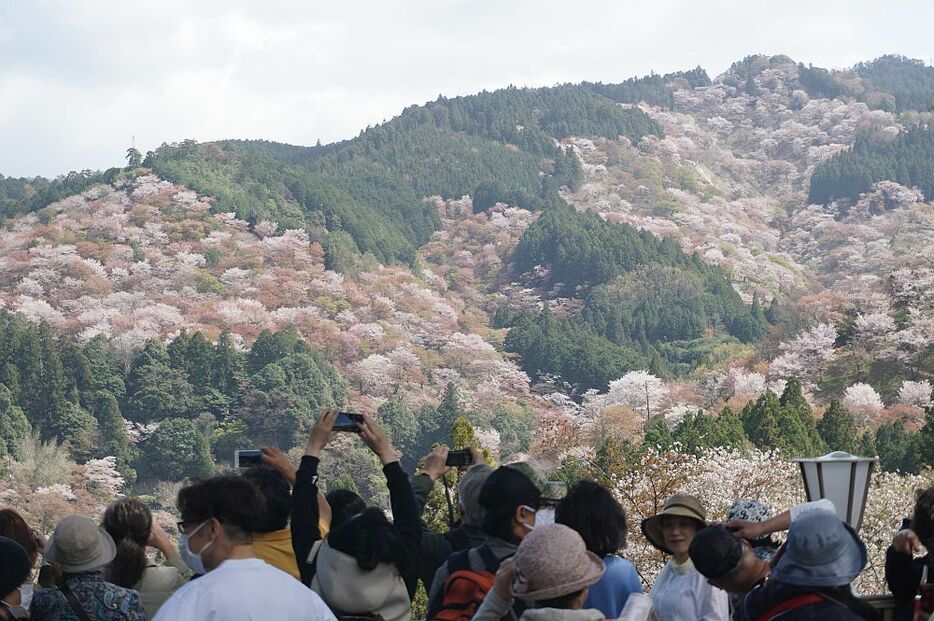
(275, 489)
(722, 557)
(590, 509)
(218, 515)
(509, 491)
(13, 526)
(129, 522)
(345, 504)
(370, 539)
(922, 521)
(468, 493)
(554, 569)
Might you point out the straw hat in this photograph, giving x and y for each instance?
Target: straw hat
(553, 561)
(683, 505)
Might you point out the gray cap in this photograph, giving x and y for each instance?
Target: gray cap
(78, 544)
(468, 490)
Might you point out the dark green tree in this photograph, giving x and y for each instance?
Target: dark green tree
(14, 426)
(174, 451)
(838, 429)
(896, 448)
(133, 158)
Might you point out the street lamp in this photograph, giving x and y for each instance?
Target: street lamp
(843, 479)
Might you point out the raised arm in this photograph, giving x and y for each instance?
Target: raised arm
(405, 512)
(305, 509)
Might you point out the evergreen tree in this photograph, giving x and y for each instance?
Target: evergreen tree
(14, 427)
(401, 425)
(133, 158)
(228, 367)
(176, 450)
(657, 434)
(113, 437)
(925, 439)
(896, 448)
(838, 429)
(867, 445)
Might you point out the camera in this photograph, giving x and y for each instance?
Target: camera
(248, 458)
(348, 421)
(459, 459)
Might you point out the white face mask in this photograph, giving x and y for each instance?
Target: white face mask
(533, 512)
(193, 559)
(22, 610)
(545, 516)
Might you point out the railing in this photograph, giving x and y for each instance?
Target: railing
(883, 603)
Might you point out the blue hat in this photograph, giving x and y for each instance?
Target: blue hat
(821, 551)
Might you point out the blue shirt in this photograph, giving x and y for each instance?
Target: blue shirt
(102, 600)
(609, 595)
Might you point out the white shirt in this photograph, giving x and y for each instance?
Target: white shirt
(681, 593)
(245, 590)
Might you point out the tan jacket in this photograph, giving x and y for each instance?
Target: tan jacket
(159, 582)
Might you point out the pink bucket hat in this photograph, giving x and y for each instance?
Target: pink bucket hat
(553, 561)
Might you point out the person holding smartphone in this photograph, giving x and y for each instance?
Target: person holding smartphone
(368, 565)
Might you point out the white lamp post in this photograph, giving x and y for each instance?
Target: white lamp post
(843, 479)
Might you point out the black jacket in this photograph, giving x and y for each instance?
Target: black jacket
(304, 523)
(835, 605)
(437, 547)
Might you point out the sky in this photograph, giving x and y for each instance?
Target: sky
(80, 81)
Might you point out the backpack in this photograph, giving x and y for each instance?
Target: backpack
(465, 587)
(458, 539)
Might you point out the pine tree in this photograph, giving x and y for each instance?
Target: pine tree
(113, 437)
(657, 434)
(176, 450)
(14, 426)
(838, 429)
(228, 367)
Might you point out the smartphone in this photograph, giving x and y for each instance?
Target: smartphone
(459, 459)
(348, 421)
(248, 458)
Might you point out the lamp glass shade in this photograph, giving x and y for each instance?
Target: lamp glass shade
(841, 478)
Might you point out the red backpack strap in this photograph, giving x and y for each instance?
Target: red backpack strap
(791, 604)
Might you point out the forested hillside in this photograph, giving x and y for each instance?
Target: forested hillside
(582, 273)
(908, 159)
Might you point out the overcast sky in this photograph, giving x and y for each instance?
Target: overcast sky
(79, 79)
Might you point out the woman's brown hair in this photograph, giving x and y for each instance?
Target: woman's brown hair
(129, 522)
(12, 525)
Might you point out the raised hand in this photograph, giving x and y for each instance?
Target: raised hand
(275, 458)
(321, 433)
(373, 436)
(436, 463)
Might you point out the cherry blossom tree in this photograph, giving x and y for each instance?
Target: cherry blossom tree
(638, 390)
(917, 394)
(807, 355)
(863, 401)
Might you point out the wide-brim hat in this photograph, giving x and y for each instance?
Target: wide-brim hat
(682, 505)
(553, 561)
(821, 551)
(78, 544)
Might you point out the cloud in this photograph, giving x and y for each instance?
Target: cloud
(78, 80)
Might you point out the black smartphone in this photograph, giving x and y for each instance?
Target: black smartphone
(348, 421)
(459, 459)
(248, 458)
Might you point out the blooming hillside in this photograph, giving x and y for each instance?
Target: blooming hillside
(146, 259)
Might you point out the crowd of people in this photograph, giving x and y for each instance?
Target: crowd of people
(267, 544)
